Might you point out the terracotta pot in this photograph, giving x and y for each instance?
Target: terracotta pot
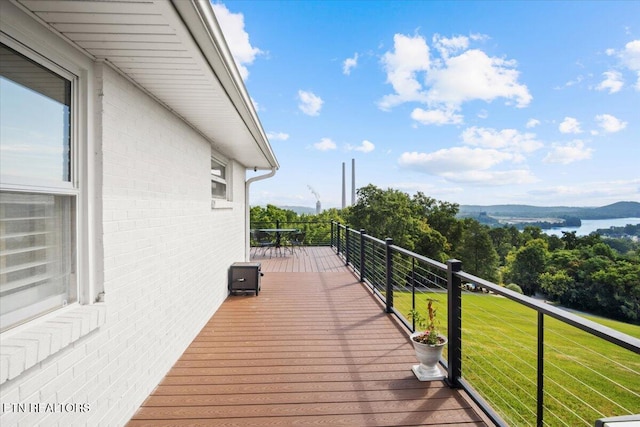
(428, 355)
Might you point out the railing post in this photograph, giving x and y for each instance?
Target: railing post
(332, 240)
(389, 275)
(347, 249)
(362, 255)
(454, 323)
(413, 293)
(338, 238)
(540, 399)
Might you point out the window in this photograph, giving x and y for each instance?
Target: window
(218, 180)
(38, 193)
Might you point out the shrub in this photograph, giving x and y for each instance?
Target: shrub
(515, 288)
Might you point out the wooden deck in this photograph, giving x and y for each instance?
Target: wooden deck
(314, 348)
(303, 260)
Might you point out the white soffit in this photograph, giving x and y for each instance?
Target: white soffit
(149, 41)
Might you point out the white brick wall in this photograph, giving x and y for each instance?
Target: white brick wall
(166, 255)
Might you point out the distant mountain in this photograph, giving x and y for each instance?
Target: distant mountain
(615, 210)
(300, 209)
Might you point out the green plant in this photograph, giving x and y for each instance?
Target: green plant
(431, 334)
(514, 287)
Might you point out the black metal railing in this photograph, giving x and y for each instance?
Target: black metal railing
(523, 361)
(317, 233)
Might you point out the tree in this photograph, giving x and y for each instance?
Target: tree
(268, 215)
(617, 291)
(392, 213)
(431, 243)
(385, 213)
(441, 217)
(476, 251)
(527, 264)
(570, 239)
(317, 227)
(556, 285)
(505, 239)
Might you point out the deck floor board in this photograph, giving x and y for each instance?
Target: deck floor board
(314, 348)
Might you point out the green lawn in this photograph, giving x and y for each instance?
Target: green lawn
(586, 378)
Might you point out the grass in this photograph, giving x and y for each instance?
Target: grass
(586, 378)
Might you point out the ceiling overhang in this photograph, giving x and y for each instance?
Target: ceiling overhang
(175, 51)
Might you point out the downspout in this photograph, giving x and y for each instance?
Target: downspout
(247, 214)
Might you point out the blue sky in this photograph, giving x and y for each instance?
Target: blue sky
(469, 102)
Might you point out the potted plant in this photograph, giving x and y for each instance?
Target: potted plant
(428, 343)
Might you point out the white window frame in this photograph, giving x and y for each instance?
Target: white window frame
(71, 188)
(23, 346)
(226, 201)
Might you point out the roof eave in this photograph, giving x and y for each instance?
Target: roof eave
(199, 18)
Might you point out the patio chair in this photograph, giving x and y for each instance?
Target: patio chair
(264, 241)
(297, 241)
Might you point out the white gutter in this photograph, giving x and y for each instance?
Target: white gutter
(247, 214)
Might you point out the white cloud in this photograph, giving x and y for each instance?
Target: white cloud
(570, 125)
(612, 82)
(509, 177)
(531, 123)
(453, 160)
(473, 75)
(255, 104)
(479, 37)
(436, 117)
(325, 144)
(237, 38)
(426, 188)
(349, 63)
(569, 153)
(277, 136)
(631, 55)
(466, 165)
(444, 83)
(310, 104)
(448, 46)
(629, 58)
(609, 123)
(365, 147)
(509, 140)
(598, 192)
(576, 81)
(410, 56)
(476, 162)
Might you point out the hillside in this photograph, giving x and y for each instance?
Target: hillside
(615, 210)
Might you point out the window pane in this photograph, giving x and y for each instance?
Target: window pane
(218, 190)
(35, 137)
(217, 170)
(36, 254)
(218, 180)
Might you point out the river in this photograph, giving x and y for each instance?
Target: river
(590, 225)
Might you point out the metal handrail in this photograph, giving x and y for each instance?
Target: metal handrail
(311, 239)
(455, 278)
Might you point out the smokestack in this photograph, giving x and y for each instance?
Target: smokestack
(353, 182)
(318, 205)
(344, 187)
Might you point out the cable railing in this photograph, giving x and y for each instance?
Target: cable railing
(317, 233)
(523, 361)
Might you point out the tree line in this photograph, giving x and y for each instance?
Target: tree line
(590, 273)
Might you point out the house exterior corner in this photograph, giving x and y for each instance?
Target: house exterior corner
(155, 215)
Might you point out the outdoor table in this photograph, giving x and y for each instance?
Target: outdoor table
(278, 232)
